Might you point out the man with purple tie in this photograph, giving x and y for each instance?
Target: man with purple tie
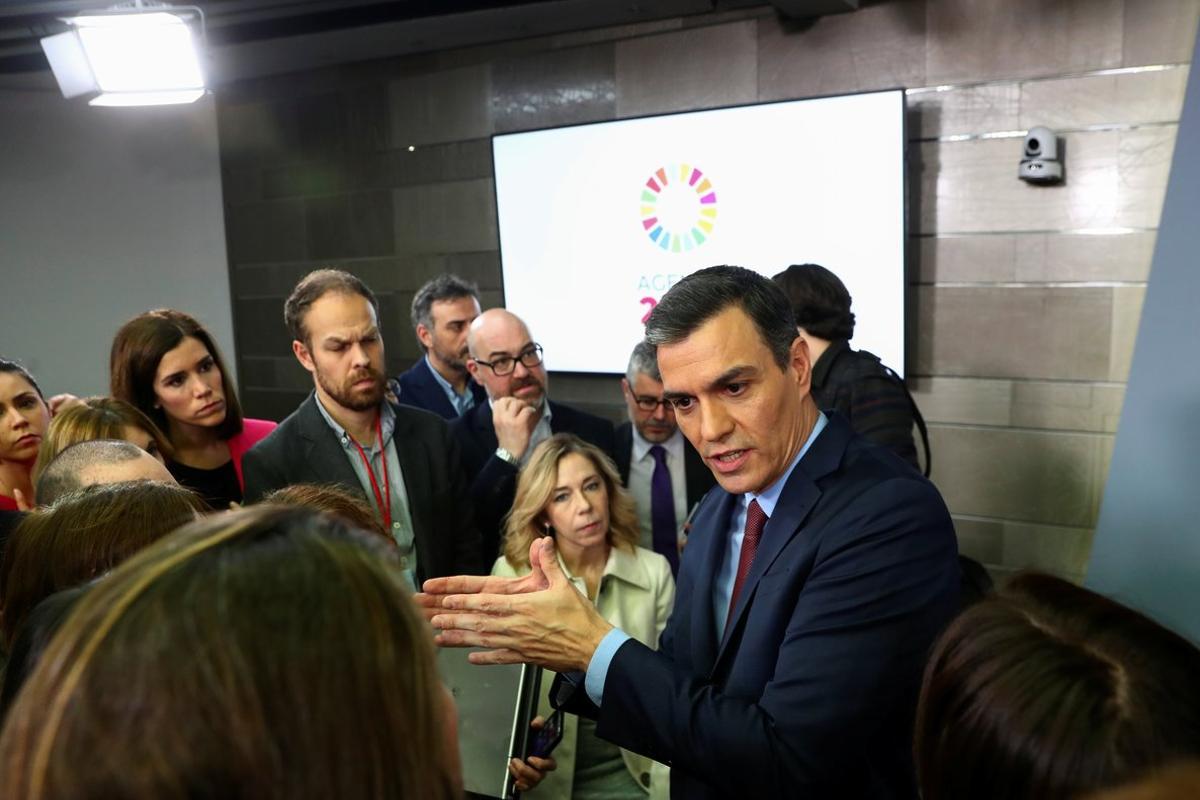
(665, 474)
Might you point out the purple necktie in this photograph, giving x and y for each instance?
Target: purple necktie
(662, 509)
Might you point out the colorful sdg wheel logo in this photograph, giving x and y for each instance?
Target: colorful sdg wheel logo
(678, 208)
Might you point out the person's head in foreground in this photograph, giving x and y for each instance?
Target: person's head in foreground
(569, 490)
(266, 653)
(83, 535)
(1047, 690)
(97, 461)
(333, 498)
(100, 418)
(736, 372)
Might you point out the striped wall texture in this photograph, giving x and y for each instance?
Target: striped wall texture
(1026, 298)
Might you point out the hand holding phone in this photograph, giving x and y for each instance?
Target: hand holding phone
(532, 770)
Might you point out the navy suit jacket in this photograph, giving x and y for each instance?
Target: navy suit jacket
(812, 691)
(304, 449)
(494, 481)
(420, 389)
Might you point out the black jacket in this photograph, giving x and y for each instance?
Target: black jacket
(493, 481)
(304, 449)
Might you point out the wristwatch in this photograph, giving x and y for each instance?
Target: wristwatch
(507, 457)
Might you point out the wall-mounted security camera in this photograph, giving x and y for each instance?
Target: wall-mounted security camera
(1041, 162)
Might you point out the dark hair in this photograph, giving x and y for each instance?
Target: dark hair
(96, 418)
(268, 652)
(334, 499)
(7, 365)
(441, 288)
(63, 474)
(1048, 690)
(140, 345)
(819, 300)
(85, 534)
(315, 285)
(702, 295)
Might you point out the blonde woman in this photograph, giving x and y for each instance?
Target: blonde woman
(570, 490)
(100, 418)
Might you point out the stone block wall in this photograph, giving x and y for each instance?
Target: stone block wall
(1026, 299)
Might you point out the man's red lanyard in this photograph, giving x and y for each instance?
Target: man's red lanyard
(385, 508)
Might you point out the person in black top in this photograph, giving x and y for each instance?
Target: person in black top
(167, 365)
(854, 382)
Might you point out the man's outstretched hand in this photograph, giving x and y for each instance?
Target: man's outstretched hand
(540, 618)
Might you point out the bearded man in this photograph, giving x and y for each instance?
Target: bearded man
(401, 459)
(498, 437)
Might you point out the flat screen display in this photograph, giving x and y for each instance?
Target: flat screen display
(598, 221)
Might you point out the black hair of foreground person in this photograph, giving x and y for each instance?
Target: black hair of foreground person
(1048, 690)
(263, 653)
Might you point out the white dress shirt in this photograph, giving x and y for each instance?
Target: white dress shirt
(641, 471)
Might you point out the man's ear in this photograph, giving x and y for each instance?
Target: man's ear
(424, 336)
(625, 387)
(303, 356)
(802, 363)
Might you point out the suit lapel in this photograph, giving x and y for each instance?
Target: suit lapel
(414, 466)
(800, 494)
(704, 626)
(325, 460)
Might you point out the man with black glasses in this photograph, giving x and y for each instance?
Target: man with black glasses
(665, 474)
(497, 437)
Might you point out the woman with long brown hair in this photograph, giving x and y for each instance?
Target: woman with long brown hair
(166, 364)
(571, 490)
(268, 653)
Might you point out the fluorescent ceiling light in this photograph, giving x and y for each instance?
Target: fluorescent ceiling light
(141, 56)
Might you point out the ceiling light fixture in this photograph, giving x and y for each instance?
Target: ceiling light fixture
(138, 54)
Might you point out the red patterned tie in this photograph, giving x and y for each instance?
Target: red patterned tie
(756, 520)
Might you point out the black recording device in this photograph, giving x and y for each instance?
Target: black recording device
(545, 740)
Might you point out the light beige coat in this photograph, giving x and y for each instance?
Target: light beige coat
(636, 595)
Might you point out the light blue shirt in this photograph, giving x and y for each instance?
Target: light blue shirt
(402, 528)
(462, 403)
(597, 671)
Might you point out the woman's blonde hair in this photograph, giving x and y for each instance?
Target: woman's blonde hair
(269, 652)
(535, 486)
(97, 418)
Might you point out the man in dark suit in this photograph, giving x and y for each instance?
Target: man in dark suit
(810, 591)
(498, 436)
(402, 460)
(442, 312)
(665, 475)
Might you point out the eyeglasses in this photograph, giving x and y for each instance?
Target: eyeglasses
(531, 356)
(651, 404)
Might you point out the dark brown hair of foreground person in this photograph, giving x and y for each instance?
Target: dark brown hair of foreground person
(83, 535)
(264, 653)
(334, 499)
(1048, 690)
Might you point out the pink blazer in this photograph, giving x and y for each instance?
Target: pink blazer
(253, 432)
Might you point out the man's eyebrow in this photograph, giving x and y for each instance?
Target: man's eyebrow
(521, 349)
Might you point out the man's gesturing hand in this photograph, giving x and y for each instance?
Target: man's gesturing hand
(540, 619)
